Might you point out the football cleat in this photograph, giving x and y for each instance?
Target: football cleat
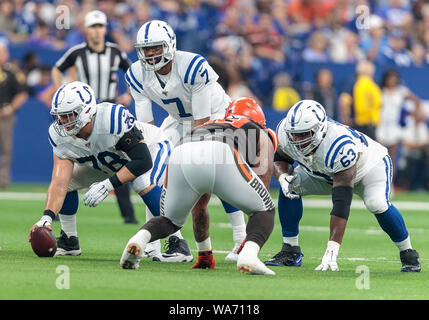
(410, 261)
(67, 246)
(233, 255)
(252, 265)
(153, 250)
(131, 256)
(289, 256)
(205, 260)
(177, 250)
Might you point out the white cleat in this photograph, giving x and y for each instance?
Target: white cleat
(131, 257)
(153, 250)
(233, 255)
(252, 265)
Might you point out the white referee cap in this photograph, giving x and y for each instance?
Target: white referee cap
(95, 17)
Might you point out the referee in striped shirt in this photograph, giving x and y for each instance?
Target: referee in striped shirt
(97, 62)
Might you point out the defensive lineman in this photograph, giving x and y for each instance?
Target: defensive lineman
(100, 146)
(231, 158)
(185, 85)
(333, 159)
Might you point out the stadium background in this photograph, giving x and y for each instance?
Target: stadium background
(255, 46)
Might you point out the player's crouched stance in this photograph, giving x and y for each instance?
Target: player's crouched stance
(213, 159)
(100, 147)
(338, 160)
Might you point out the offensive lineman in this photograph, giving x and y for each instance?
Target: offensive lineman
(185, 85)
(99, 146)
(333, 159)
(230, 157)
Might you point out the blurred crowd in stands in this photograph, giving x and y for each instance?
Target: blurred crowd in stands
(258, 48)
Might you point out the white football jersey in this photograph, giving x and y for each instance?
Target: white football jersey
(340, 149)
(191, 90)
(111, 122)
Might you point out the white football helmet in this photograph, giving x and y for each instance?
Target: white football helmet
(306, 125)
(155, 33)
(73, 106)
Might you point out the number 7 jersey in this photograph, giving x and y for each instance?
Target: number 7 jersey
(110, 123)
(340, 149)
(191, 90)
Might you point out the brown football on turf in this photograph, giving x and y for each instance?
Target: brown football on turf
(43, 242)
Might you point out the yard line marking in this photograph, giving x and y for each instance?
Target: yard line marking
(214, 201)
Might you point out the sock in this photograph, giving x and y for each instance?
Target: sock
(177, 234)
(152, 200)
(204, 245)
(67, 213)
(393, 224)
(293, 241)
(238, 226)
(68, 224)
(290, 213)
(404, 245)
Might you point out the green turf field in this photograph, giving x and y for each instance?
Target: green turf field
(96, 273)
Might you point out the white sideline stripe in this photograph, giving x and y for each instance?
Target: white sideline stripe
(214, 201)
(369, 231)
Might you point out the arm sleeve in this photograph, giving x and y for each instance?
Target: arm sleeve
(124, 64)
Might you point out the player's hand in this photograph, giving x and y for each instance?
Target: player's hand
(329, 260)
(285, 180)
(45, 221)
(97, 192)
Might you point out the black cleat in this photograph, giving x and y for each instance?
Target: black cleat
(177, 251)
(67, 246)
(289, 256)
(410, 261)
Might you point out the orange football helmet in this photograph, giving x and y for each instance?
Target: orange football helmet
(248, 108)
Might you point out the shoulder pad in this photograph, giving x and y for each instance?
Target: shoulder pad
(274, 139)
(195, 69)
(115, 119)
(341, 154)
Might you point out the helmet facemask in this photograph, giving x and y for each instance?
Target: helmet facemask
(312, 139)
(73, 124)
(159, 60)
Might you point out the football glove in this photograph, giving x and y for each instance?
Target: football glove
(45, 221)
(285, 180)
(97, 192)
(329, 260)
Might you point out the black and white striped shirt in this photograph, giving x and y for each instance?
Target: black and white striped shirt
(98, 69)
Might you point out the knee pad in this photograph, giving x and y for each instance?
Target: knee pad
(376, 205)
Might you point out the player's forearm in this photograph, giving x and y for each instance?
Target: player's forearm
(201, 121)
(57, 77)
(55, 197)
(337, 229)
(281, 167)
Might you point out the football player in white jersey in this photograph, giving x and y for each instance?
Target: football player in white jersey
(186, 86)
(338, 160)
(101, 146)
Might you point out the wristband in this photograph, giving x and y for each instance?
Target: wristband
(49, 213)
(114, 180)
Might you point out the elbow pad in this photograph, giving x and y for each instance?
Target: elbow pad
(141, 160)
(341, 198)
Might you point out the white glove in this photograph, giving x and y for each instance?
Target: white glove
(97, 192)
(45, 221)
(329, 260)
(285, 180)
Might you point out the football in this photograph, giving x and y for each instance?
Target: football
(43, 242)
